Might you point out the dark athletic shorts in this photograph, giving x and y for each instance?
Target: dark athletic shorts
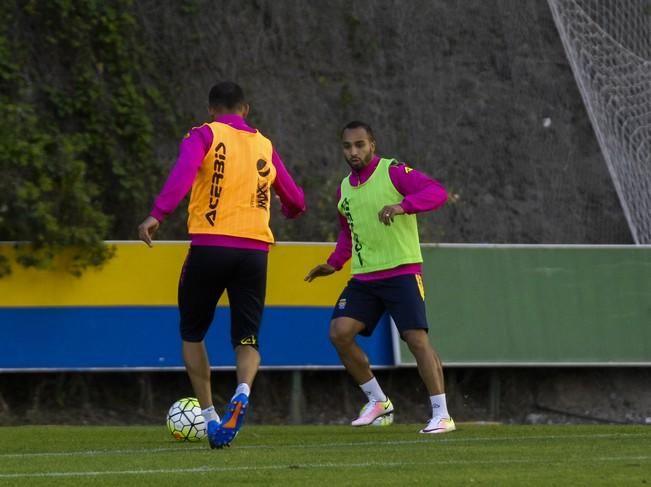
(206, 273)
(401, 296)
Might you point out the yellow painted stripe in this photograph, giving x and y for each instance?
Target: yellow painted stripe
(143, 276)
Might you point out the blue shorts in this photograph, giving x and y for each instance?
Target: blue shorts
(403, 297)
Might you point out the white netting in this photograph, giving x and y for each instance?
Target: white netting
(608, 44)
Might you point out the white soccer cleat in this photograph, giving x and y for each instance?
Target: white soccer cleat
(373, 410)
(439, 424)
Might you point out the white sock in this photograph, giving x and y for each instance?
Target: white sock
(439, 406)
(209, 414)
(373, 390)
(242, 388)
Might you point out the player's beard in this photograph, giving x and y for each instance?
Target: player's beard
(357, 164)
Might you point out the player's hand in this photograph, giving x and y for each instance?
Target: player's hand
(387, 213)
(147, 229)
(319, 271)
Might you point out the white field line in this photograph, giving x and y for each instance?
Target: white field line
(291, 466)
(423, 439)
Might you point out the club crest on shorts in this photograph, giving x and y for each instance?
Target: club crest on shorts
(342, 303)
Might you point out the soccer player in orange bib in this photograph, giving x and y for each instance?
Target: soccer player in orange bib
(378, 202)
(230, 168)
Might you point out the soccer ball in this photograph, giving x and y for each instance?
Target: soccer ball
(184, 420)
(385, 420)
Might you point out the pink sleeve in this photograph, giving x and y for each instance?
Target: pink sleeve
(291, 195)
(344, 248)
(421, 193)
(193, 149)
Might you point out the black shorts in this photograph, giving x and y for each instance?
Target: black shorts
(403, 297)
(206, 273)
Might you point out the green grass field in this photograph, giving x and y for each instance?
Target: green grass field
(560, 455)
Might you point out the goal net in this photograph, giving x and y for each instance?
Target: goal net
(608, 44)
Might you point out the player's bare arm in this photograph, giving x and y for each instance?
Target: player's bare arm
(319, 271)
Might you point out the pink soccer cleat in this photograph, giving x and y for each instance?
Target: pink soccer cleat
(372, 411)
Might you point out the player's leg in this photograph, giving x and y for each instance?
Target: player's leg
(197, 367)
(356, 308)
(247, 359)
(246, 294)
(427, 360)
(343, 331)
(431, 372)
(406, 303)
(200, 287)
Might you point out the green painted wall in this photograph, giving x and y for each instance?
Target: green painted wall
(537, 305)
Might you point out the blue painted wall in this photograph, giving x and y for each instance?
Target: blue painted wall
(76, 338)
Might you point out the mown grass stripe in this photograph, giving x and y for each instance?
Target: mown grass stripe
(425, 439)
(213, 469)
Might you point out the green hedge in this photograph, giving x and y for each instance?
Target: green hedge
(78, 96)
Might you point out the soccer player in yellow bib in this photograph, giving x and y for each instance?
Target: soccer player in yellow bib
(230, 168)
(378, 202)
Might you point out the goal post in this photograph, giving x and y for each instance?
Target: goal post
(608, 45)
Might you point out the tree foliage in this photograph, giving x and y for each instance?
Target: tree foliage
(76, 128)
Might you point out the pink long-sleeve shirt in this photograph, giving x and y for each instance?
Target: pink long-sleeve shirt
(194, 148)
(421, 193)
